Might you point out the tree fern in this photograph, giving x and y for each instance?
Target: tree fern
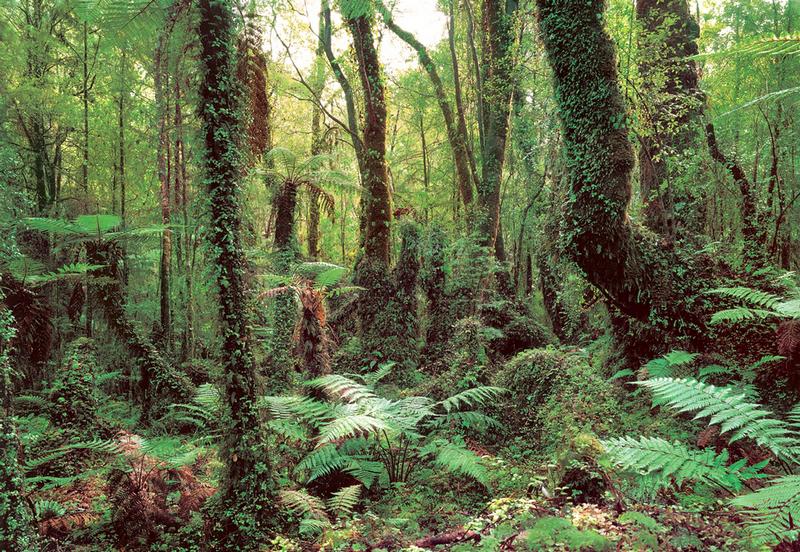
(351, 426)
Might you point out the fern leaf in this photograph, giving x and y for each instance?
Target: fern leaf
(351, 426)
(303, 504)
(727, 407)
(342, 387)
(343, 501)
(653, 455)
(471, 397)
(773, 509)
(459, 460)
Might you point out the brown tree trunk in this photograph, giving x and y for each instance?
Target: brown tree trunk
(753, 232)
(377, 196)
(599, 155)
(456, 135)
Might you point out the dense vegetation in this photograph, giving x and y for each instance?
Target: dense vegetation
(502, 275)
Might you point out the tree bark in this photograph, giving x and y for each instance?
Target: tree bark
(377, 196)
(668, 39)
(247, 488)
(599, 155)
(456, 135)
(498, 88)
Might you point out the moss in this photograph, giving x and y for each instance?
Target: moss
(16, 532)
(72, 402)
(433, 277)
(245, 507)
(553, 397)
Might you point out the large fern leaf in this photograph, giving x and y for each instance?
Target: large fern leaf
(729, 408)
(773, 510)
(653, 455)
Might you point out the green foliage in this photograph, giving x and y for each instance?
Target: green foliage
(765, 305)
(771, 509)
(552, 531)
(357, 426)
(727, 408)
(662, 367)
(675, 461)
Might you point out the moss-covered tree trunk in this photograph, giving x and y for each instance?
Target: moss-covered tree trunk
(246, 504)
(497, 91)
(600, 237)
(377, 196)
(159, 381)
(670, 112)
(372, 270)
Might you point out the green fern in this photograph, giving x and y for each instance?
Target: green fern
(461, 461)
(728, 408)
(773, 509)
(661, 367)
(653, 455)
(342, 502)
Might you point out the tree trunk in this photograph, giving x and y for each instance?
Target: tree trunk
(317, 142)
(753, 232)
(599, 155)
(670, 80)
(497, 91)
(377, 196)
(161, 86)
(247, 503)
(456, 135)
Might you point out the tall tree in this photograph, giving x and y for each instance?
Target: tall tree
(633, 273)
(497, 83)
(671, 110)
(247, 492)
(372, 269)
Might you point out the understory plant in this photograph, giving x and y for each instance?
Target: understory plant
(771, 509)
(375, 439)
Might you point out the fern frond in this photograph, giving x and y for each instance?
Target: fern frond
(322, 461)
(303, 504)
(755, 297)
(307, 409)
(459, 460)
(773, 509)
(343, 501)
(785, 45)
(351, 426)
(471, 397)
(47, 509)
(739, 314)
(656, 456)
(662, 366)
(342, 387)
(728, 408)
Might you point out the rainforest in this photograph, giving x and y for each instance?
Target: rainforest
(399, 275)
